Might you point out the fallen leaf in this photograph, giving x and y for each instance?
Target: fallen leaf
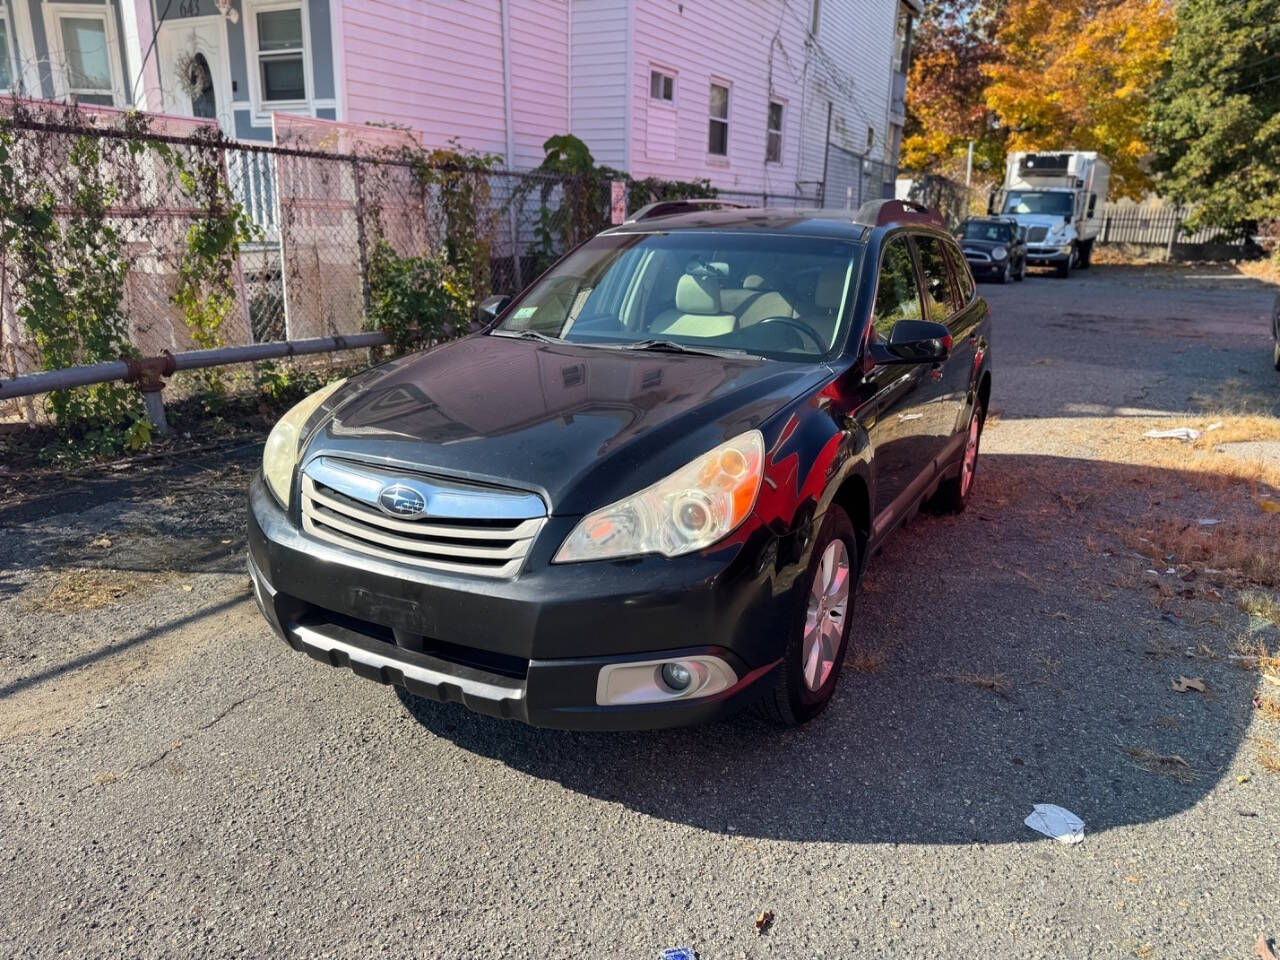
(1186, 684)
(1269, 506)
(1243, 778)
(1133, 879)
(100, 542)
(1270, 679)
(186, 587)
(763, 921)
(1262, 950)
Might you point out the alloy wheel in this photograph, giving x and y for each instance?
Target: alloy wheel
(825, 615)
(970, 464)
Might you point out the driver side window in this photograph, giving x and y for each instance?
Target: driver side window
(897, 297)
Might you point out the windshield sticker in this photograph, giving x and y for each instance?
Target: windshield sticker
(524, 313)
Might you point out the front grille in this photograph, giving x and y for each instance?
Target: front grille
(1037, 234)
(979, 255)
(478, 545)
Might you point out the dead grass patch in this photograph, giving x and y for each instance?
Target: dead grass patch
(1270, 709)
(1268, 754)
(1264, 606)
(998, 683)
(78, 589)
(1169, 764)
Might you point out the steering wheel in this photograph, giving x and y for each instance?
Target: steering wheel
(800, 327)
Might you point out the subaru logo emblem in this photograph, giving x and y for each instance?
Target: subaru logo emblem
(402, 500)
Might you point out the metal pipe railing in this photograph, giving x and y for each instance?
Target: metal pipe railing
(148, 370)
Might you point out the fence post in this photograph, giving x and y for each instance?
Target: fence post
(360, 236)
(1173, 234)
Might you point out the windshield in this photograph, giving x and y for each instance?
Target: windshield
(986, 230)
(1057, 204)
(774, 296)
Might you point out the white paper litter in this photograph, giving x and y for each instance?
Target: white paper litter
(1057, 822)
(1216, 425)
(1208, 522)
(1177, 433)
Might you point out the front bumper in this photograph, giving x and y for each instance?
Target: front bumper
(1045, 255)
(530, 648)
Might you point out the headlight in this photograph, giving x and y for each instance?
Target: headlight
(281, 452)
(698, 505)
(999, 253)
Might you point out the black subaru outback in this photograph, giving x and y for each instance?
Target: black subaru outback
(644, 494)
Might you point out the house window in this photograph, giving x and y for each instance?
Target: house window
(662, 86)
(773, 136)
(281, 50)
(83, 41)
(6, 58)
(718, 130)
(871, 138)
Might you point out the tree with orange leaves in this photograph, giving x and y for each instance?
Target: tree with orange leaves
(1079, 74)
(946, 107)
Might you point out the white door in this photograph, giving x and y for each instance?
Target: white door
(194, 75)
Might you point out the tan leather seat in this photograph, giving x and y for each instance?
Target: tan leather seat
(827, 297)
(698, 311)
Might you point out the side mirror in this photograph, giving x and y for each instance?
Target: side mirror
(991, 204)
(913, 341)
(489, 308)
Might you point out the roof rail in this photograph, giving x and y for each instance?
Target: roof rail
(666, 208)
(877, 213)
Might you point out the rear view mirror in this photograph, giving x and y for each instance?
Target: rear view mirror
(913, 341)
(488, 309)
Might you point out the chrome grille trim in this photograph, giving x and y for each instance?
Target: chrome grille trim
(971, 254)
(480, 544)
(1037, 234)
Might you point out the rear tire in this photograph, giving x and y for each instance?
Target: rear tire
(954, 494)
(1275, 354)
(803, 685)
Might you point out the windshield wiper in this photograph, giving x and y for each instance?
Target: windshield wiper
(526, 335)
(671, 346)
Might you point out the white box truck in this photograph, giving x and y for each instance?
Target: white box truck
(1057, 198)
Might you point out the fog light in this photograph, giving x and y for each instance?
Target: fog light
(676, 676)
(659, 681)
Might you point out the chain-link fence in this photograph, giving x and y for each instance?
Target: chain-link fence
(146, 201)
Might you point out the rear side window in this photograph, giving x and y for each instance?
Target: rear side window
(897, 297)
(960, 269)
(939, 296)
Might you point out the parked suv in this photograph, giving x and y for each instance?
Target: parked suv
(994, 247)
(644, 496)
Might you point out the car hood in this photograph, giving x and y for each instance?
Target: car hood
(986, 244)
(580, 426)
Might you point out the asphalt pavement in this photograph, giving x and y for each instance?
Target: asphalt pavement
(178, 783)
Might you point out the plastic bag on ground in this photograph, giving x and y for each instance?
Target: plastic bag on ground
(1057, 822)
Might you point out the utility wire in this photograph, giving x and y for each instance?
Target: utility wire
(155, 33)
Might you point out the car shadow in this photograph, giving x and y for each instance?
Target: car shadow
(1013, 655)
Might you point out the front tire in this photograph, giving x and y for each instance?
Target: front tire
(1022, 271)
(954, 494)
(1275, 354)
(1064, 268)
(1006, 274)
(819, 639)
(1085, 255)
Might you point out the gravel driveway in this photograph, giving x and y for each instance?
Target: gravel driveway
(178, 783)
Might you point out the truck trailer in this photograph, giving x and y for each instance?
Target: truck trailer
(1057, 198)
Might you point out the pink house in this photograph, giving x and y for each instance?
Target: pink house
(755, 95)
